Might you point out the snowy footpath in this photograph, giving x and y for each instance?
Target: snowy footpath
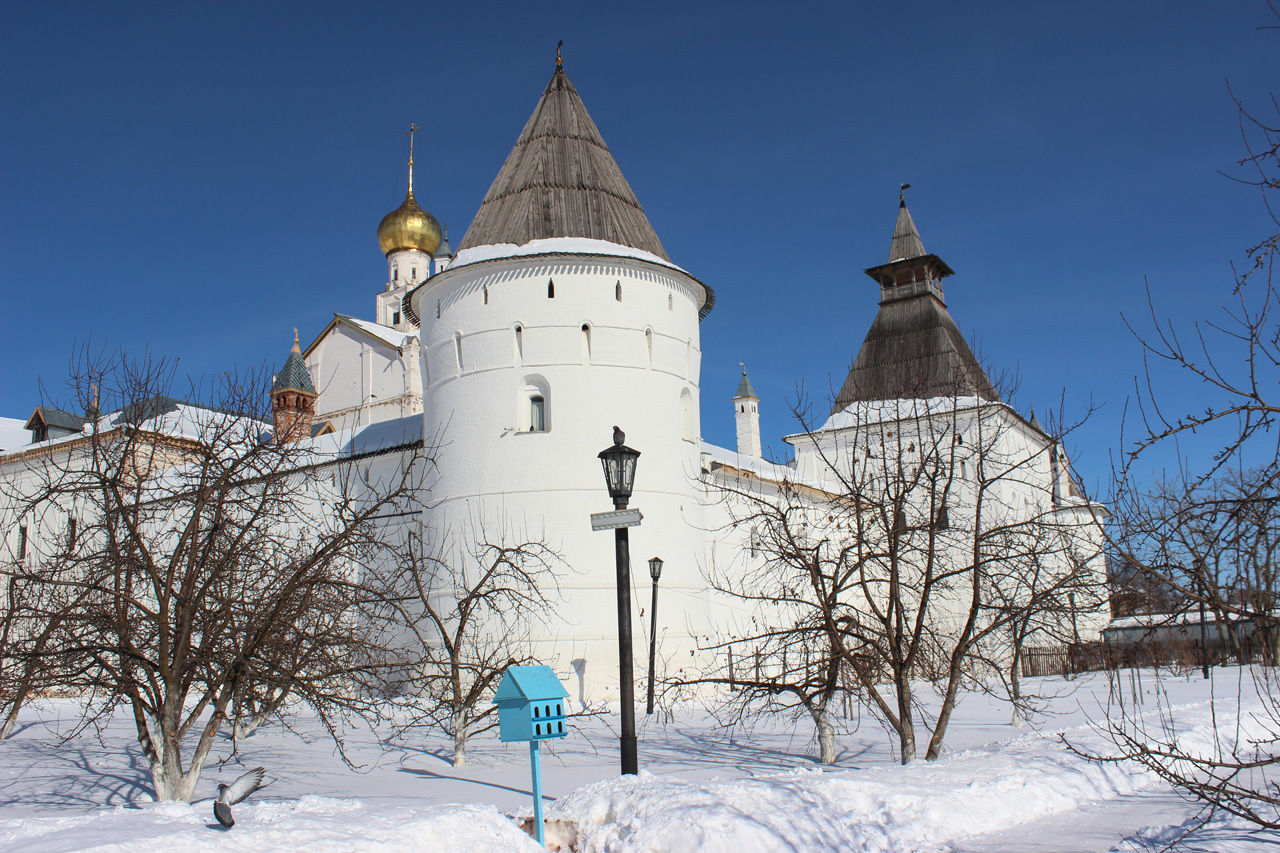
(704, 788)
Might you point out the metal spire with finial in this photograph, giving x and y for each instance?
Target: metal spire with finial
(412, 128)
(902, 194)
(295, 340)
(559, 58)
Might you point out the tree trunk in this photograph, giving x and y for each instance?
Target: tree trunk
(826, 731)
(906, 725)
(1015, 688)
(460, 739)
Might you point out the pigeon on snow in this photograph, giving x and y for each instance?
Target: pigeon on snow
(229, 795)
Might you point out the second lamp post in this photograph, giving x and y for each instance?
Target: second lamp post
(655, 572)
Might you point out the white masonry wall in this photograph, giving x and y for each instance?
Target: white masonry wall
(492, 338)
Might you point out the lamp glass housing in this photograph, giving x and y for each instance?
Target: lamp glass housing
(655, 568)
(619, 463)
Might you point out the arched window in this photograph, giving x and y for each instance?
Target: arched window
(671, 302)
(617, 290)
(519, 344)
(457, 349)
(688, 358)
(648, 347)
(486, 294)
(586, 343)
(533, 405)
(551, 289)
(437, 309)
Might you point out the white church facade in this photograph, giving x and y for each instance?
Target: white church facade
(561, 317)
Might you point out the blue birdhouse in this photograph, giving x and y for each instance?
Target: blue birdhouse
(531, 704)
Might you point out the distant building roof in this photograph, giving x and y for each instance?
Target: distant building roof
(561, 181)
(744, 386)
(55, 418)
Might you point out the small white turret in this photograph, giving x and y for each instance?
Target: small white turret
(746, 411)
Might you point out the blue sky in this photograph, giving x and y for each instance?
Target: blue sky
(201, 178)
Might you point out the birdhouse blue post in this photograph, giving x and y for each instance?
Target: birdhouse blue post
(531, 705)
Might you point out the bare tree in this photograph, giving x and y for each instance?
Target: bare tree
(213, 568)
(927, 533)
(1206, 534)
(466, 609)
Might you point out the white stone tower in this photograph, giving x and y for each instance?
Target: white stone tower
(561, 317)
(746, 412)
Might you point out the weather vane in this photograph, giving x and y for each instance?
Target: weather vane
(559, 60)
(902, 192)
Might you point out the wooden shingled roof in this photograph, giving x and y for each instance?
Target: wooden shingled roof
(913, 349)
(561, 181)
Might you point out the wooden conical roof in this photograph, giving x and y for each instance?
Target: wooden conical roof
(913, 350)
(561, 181)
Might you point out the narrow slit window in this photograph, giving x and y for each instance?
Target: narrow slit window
(671, 302)
(395, 318)
(457, 349)
(71, 533)
(537, 729)
(648, 347)
(535, 712)
(586, 343)
(617, 291)
(486, 294)
(519, 344)
(437, 309)
(551, 289)
(22, 542)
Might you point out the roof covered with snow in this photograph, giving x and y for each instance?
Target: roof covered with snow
(561, 181)
(861, 413)
(13, 434)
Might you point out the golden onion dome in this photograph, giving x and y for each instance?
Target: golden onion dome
(409, 227)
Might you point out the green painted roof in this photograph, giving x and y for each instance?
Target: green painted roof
(293, 375)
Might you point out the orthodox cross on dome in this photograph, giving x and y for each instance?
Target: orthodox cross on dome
(412, 128)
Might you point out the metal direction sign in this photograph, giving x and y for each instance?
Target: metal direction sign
(617, 518)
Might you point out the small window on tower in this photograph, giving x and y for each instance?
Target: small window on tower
(395, 318)
(22, 542)
(486, 294)
(617, 291)
(551, 289)
(671, 302)
(395, 274)
(537, 414)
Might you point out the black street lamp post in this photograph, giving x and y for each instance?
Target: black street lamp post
(620, 474)
(655, 572)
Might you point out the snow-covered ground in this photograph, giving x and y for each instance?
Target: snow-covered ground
(702, 788)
